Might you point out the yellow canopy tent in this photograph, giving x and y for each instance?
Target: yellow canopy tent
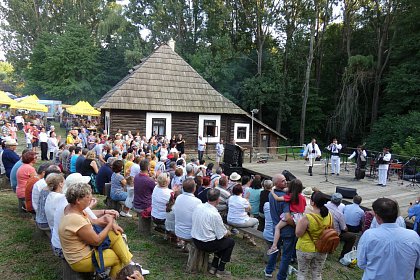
(5, 99)
(30, 103)
(83, 108)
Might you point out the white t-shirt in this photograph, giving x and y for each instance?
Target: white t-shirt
(134, 170)
(183, 208)
(38, 186)
(18, 119)
(160, 198)
(163, 153)
(51, 204)
(43, 137)
(236, 210)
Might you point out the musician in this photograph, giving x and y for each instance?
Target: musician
(312, 153)
(360, 155)
(335, 148)
(383, 160)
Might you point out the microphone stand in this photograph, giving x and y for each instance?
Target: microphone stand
(326, 169)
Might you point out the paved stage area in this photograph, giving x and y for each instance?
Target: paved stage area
(366, 188)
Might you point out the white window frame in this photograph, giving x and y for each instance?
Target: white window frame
(151, 116)
(235, 132)
(201, 119)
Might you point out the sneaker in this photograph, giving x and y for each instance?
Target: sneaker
(338, 174)
(212, 270)
(272, 251)
(268, 275)
(291, 270)
(144, 271)
(234, 231)
(125, 214)
(223, 274)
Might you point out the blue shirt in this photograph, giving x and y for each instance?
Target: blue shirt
(268, 228)
(254, 200)
(388, 252)
(276, 209)
(9, 159)
(79, 163)
(13, 172)
(415, 211)
(73, 163)
(353, 215)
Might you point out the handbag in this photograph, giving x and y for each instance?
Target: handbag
(146, 213)
(350, 259)
(106, 244)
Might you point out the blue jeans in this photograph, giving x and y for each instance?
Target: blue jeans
(288, 249)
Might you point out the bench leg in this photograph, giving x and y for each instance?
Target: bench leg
(70, 274)
(197, 260)
(145, 225)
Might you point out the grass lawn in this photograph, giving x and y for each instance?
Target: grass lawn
(25, 252)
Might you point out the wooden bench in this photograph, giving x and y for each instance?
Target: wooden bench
(198, 260)
(145, 224)
(70, 274)
(252, 232)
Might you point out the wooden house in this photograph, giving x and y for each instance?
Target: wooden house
(164, 94)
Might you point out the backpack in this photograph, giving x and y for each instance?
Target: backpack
(328, 240)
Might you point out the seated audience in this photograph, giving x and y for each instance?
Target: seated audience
(77, 235)
(118, 183)
(143, 188)
(13, 179)
(349, 238)
(183, 208)
(104, 175)
(222, 206)
(414, 211)
(160, 197)
(25, 172)
(238, 208)
(30, 185)
(354, 215)
(202, 195)
(210, 235)
(253, 196)
(55, 183)
(41, 183)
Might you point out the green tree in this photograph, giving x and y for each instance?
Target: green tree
(66, 66)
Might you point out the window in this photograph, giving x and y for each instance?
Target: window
(210, 128)
(161, 123)
(159, 127)
(241, 132)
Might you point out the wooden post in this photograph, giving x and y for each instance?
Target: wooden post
(145, 225)
(197, 260)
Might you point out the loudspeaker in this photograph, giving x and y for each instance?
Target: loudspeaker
(233, 155)
(288, 175)
(346, 192)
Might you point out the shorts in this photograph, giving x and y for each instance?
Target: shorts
(295, 216)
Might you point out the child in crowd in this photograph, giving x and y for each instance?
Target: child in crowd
(130, 192)
(130, 272)
(297, 207)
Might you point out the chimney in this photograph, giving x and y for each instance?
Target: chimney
(171, 44)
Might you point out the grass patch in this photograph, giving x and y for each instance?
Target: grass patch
(25, 252)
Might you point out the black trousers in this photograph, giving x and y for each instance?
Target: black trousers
(349, 238)
(200, 155)
(44, 151)
(355, 229)
(222, 248)
(51, 155)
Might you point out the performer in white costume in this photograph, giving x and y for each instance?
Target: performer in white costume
(335, 148)
(383, 160)
(311, 153)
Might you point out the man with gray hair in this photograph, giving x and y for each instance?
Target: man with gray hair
(210, 234)
(287, 233)
(340, 226)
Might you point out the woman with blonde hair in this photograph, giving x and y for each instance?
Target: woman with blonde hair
(160, 198)
(55, 184)
(128, 164)
(77, 235)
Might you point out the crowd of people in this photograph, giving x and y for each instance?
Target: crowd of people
(193, 201)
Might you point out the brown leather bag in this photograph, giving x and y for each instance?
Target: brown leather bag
(328, 240)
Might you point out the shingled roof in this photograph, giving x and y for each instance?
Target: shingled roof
(166, 82)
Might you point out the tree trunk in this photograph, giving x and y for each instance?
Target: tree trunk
(307, 81)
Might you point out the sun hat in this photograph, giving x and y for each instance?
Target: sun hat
(234, 176)
(11, 142)
(75, 178)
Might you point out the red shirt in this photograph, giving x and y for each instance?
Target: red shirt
(296, 207)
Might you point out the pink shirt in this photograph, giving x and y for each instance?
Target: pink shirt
(23, 174)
